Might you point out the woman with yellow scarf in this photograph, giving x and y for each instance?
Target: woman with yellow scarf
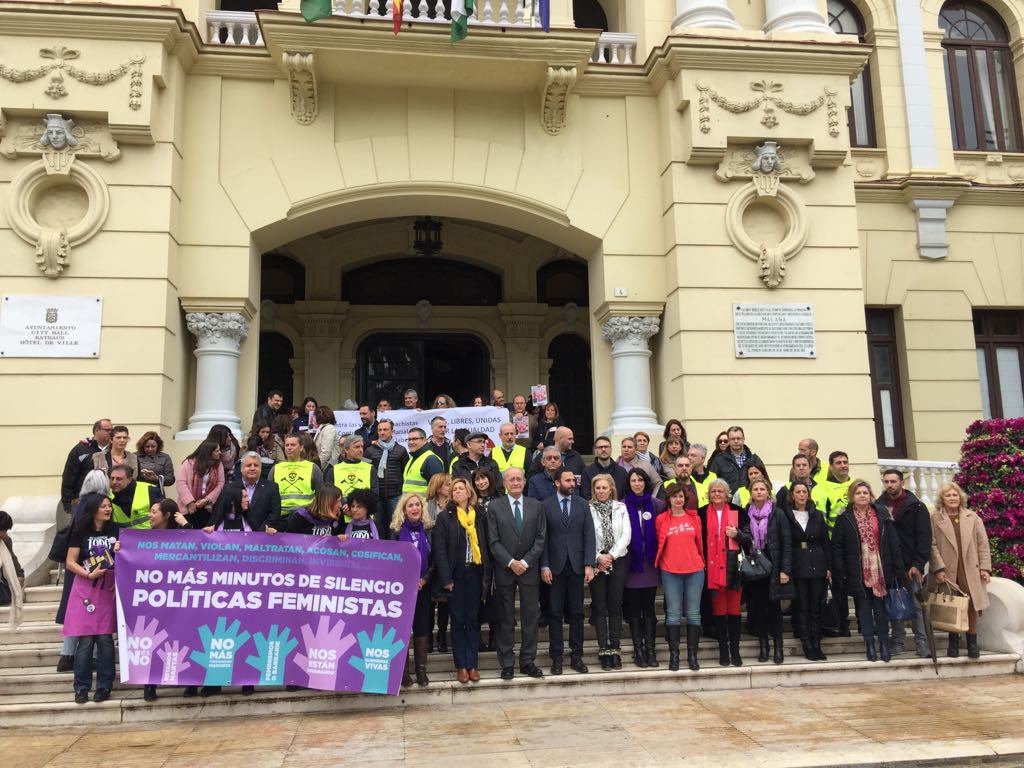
(462, 568)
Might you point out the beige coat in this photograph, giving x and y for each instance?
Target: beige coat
(977, 557)
(101, 461)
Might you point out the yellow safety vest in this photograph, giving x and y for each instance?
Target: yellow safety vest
(295, 482)
(821, 476)
(139, 517)
(517, 459)
(702, 488)
(350, 475)
(833, 498)
(412, 479)
(744, 494)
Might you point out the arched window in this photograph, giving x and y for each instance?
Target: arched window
(442, 282)
(282, 280)
(844, 19)
(588, 14)
(561, 282)
(983, 111)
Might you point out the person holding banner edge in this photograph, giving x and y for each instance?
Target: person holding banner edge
(413, 523)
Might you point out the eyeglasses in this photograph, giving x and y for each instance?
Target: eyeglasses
(723, 441)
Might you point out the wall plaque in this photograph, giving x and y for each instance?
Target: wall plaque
(774, 330)
(50, 326)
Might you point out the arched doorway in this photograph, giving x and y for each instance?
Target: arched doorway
(275, 371)
(455, 364)
(569, 385)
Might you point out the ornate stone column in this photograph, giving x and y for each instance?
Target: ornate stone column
(631, 372)
(794, 16)
(704, 13)
(220, 335)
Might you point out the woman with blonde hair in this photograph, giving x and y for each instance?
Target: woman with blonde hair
(462, 568)
(867, 562)
(413, 523)
(960, 555)
(612, 536)
(439, 490)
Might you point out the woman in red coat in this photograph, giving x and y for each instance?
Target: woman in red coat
(723, 537)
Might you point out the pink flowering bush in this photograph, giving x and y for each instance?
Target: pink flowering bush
(992, 475)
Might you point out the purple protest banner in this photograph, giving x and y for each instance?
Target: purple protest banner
(236, 608)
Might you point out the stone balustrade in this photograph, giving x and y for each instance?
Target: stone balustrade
(922, 478)
(232, 28)
(615, 48)
(505, 13)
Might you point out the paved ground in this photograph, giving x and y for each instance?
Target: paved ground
(965, 722)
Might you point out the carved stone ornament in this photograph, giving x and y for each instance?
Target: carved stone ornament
(58, 141)
(769, 97)
(630, 331)
(424, 309)
(58, 67)
(207, 326)
(556, 94)
(744, 163)
(569, 314)
(302, 83)
(56, 203)
(764, 219)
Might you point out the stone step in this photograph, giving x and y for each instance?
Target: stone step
(127, 706)
(49, 593)
(32, 670)
(30, 611)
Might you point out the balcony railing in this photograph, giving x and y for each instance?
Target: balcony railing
(233, 28)
(615, 48)
(240, 28)
(922, 478)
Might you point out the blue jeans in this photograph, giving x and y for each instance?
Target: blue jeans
(679, 587)
(871, 616)
(104, 645)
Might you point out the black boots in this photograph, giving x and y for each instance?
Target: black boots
(722, 633)
(406, 672)
(636, 631)
(777, 653)
(973, 651)
(692, 639)
(762, 648)
(419, 646)
(953, 649)
(650, 627)
(734, 625)
(869, 645)
(883, 648)
(672, 635)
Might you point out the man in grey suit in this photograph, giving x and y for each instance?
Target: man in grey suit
(516, 529)
(568, 564)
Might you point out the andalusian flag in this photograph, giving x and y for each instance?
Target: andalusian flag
(461, 9)
(312, 10)
(396, 15)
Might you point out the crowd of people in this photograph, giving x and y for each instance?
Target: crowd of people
(532, 517)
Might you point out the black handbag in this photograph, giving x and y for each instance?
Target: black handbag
(779, 591)
(5, 592)
(755, 566)
(61, 543)
(829, 613)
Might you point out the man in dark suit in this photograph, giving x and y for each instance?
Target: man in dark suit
(259, 501)
(568, 563)
(516, 530)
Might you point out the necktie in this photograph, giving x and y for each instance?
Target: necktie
(565, 509)
(518, 515)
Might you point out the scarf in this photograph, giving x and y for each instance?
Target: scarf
(605, 534)
(759, 523)
(386, 448)
(415, 534)
(870, 553)
(17, 596)
(719, 545)
(468, 522)
(643, 541)
(896, 505)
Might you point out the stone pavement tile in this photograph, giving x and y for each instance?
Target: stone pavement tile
(123, 757)
(480, 741)
(1006, 746)
(20, 737)
(231, 742)
(570, 756)
(268, 758)
(389, 722)
(354, 750)
(101, 738)
(557, 734)
(516, 759)
(35, 756)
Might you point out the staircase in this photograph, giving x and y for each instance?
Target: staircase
(32, 693)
